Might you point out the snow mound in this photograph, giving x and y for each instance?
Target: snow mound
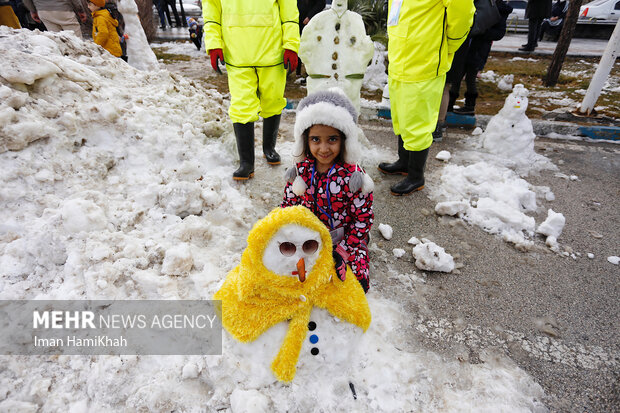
(443, 156)
(398, 252)
(614, 259)
(386, 231)
(431, 257)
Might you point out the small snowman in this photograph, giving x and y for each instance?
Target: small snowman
(336, 51)
(284, 307)
(510, 132)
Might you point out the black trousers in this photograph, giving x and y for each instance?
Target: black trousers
(533, 31)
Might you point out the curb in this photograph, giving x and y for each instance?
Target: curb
(541, 127)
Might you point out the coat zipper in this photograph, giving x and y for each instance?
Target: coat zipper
(443, 32)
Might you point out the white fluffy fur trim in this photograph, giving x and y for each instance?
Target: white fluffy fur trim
(324, 113)
(299, 186)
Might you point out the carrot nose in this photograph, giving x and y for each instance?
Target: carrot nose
(301, 270)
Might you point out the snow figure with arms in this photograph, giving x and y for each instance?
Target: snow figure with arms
(282, 299)
(328, 180)
(336, 50)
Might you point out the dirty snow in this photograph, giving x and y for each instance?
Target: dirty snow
(116, 184)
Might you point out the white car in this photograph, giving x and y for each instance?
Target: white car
(600, 10)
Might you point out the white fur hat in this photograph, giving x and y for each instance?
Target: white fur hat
(332, 108)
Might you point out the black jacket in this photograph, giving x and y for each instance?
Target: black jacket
(538, 9)
(309, 8)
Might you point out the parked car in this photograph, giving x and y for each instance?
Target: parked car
(600, 10)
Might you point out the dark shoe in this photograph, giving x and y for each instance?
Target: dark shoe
(270, 135)
(415, 179)
(400, 166)
(244, 132)
(440, 130)
(527, 49)
(470, 104)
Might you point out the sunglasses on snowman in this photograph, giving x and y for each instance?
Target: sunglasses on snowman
(309, 247)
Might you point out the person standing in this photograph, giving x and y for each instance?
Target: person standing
(423, 37)
(257, 41)
(58, 15)
(536, 11)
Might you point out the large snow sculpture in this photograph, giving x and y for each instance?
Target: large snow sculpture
(336, 50)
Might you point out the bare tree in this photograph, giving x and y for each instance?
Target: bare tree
(566, 35)
(145, 13)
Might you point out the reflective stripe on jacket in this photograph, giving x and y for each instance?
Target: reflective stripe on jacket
(251, 33)
(428, 33)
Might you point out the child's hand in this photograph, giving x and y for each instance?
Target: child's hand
(340, 265)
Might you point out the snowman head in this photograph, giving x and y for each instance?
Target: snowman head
(516, 102)
(339, 6)
(292, 251)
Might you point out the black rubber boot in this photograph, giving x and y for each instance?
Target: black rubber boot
(270, 135)
(400, 166)
(244, 132)
(439, 132)
(415, 179)
(470, 104)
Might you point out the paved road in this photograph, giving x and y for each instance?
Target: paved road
(555, 316)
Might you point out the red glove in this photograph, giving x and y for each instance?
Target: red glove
(290, 60)
(216, 56)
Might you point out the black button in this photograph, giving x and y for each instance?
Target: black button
(314, 351)
(311, 326)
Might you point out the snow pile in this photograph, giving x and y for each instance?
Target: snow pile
(614, 259)
(398, 252)
(180, 48)
(127, 184)
(443, 156)
(505, 82)
(552, 227)
(489, 192)
(431, 257)
(376, 77)
(489, 196)
(386, 231)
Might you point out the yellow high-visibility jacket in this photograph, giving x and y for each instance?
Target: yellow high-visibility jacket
(428, 33)
(251, 32)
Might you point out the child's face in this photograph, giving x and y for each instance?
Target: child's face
(92, 7)
(324, 143)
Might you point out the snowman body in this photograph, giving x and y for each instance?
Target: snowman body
(510, 132)
(327, 353)
(336, 51)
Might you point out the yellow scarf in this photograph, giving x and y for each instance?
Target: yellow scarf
(255, 299)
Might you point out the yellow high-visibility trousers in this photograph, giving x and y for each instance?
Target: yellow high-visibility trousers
(256, 91)
(415, 109)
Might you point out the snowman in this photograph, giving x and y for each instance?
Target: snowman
(336, 50)
(510, 132)
(284, 306)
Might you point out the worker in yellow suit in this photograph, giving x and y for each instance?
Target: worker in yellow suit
(258, 41)
(423, 37)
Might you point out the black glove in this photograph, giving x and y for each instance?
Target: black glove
(340, 265)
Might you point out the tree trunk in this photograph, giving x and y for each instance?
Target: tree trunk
(145, 13)
(566, 35)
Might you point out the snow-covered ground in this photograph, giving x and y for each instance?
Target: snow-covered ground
(116, 184)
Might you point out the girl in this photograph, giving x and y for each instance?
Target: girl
(328, 181)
